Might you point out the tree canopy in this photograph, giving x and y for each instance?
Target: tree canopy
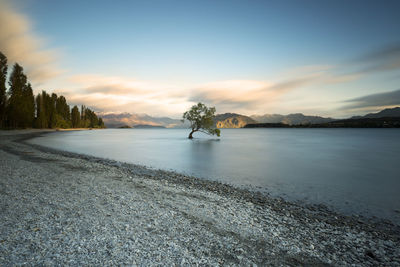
(201, 119)
(3, 97)
(19, 108)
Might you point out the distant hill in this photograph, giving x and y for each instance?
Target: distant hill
(267, 125)
(227, 120)
(268, 118)
(387, 118)
(388, 122)
(146, 126)
(386, 113)
(384, 122)
(291, 119)
(232, 120)
(114, 120)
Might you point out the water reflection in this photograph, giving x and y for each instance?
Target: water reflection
(202, 154)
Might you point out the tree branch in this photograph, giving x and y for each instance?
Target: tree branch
(204, 132)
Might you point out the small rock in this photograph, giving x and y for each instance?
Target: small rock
(370, 254)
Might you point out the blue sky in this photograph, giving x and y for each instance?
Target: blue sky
(160, 57)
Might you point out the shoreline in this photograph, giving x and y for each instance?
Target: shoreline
(284, 232)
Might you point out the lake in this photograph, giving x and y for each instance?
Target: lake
(354, 171)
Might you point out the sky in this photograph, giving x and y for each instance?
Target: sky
(329, 58)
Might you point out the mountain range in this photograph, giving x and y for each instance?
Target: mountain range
(230, 120)
(113, 120)
(386, 113)
(291, 119)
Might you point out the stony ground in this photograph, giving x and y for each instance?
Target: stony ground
(58, 208)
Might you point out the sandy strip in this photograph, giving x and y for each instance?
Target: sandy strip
(59, 208)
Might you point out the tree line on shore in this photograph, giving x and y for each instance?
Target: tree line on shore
(19, 108)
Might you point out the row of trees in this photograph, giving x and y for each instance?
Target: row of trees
(20, 109)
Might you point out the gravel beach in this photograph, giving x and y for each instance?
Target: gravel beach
(60, 208)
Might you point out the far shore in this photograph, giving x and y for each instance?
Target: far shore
(34, 130)
(62, 208)
(78, 129)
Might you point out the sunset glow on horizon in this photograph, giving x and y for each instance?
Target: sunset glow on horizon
(328, 58)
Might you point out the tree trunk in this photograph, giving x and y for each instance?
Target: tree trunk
(191, 134)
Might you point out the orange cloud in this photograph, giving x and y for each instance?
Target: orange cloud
(119, 94)
(20, 45)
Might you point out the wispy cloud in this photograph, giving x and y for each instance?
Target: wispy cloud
(247, 95)
(20, 44)
(385, 59)
(256, 96)
(379, 100)
(110, 93)
(113, 85)
(120, 94)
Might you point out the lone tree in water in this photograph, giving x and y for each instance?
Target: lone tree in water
(201, 119)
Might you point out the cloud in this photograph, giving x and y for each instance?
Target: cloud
(254, 96)
(228, 95)
(114, 85)
(385, 99)
(241, 94)
(294, 90)
(121, 94)
(19, 44)
(132, 104)
(385, 59)
(386, 52)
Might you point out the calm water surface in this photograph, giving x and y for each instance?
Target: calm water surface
(352, 170)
